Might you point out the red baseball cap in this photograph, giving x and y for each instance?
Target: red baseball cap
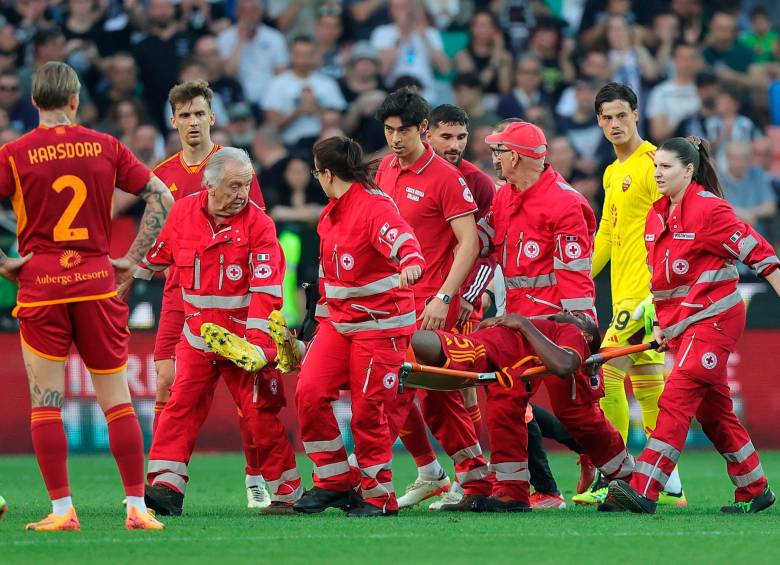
(523, 138)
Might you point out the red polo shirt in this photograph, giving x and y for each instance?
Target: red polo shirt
(429, 194)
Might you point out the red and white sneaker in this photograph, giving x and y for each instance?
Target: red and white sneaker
(587, 473)
(543, 501)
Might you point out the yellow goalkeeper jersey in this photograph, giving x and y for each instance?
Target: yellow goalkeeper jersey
(630, 191)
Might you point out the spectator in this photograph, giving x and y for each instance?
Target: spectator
(730, 60)
(49, 45)
(707, 90)
(748, 188)
(468, 95)
(226, 87)
(563, 158)
(199, 17)
(29, 17)
(252, 51)
(727, 124)
(630, 61)
(594, 66)
(123, 118)
(299, 17)
(300, 200)
(554, 53)
(362, 73)
(21, 114)
(527, 91)
(270, 157)
(583, 131)
(676, 99)
(764, 159)
(241, 125)
(449, 14)
(691, 14)
(486, 55)
(120, 82)
(661, 39)
(147, 145)
(327, 34)
(366, 16)
(595, 17)
(298, 100)
(762, 40)
(159, 56)
(479, 152)
(363, 91)
(409, 46)
(83, 21)
(9, 47)
(517, 18)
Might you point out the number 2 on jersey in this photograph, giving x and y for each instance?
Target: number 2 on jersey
(63, 230)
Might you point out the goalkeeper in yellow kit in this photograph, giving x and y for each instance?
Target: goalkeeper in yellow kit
(630, 189)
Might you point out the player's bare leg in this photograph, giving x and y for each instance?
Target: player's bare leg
(126, 442)
(46, 378)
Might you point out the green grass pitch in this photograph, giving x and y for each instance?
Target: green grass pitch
(218, 528)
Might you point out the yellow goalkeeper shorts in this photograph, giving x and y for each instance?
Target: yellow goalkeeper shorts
(622, 328)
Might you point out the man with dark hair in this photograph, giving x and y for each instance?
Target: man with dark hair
(297, 100)
(448, 135)
(630, 190)
(468, 95)
(192, 117)
(437, 202)
(506, 344)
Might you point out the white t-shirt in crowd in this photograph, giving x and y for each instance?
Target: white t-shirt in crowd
(266, 52)
(284, 93)
(673, 101)
(412, 57)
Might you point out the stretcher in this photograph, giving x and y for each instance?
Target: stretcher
(416, 375)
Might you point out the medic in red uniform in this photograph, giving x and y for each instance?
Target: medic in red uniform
(435, 200)
(542, 230)
(693, 240)
(369, 256)
(230, 271)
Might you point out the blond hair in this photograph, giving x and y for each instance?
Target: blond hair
(53, 84)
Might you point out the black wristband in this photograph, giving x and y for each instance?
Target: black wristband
(656, 324)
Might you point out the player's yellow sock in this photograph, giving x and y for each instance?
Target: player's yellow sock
(647, 389)
(615, 404)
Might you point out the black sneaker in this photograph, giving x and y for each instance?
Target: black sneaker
(318, 500)
(759, 503)
(163, 500)
(498, 504)
(621, 493)
(609, 505)
(465, 504)
(366, 510)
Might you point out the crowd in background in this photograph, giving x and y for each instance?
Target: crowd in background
(289, 72)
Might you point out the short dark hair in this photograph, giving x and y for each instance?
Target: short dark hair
(615, 91)
(447, 114)
(407, 81)
(410, 107)
(188, 91)
(469, 80)
(302, 38)
(344, 158)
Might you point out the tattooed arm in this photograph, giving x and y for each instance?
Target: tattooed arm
(158, 204)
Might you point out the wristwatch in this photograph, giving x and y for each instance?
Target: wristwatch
(444, 297)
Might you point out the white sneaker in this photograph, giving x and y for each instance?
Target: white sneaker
(452, 496)
(421, 490)
(257, 497)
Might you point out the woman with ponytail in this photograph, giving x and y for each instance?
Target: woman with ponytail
(369, 257)
(693, 240)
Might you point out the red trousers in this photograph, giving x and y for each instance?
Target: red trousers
(369, 369)
(698, 387)
(259, 397)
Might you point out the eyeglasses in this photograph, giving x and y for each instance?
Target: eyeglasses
(497, 151)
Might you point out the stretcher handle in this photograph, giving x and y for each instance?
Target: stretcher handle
(594, 360)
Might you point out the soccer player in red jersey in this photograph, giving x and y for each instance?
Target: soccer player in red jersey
(192, 117)
(435, 200)
(60, 178)
(448, 135)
